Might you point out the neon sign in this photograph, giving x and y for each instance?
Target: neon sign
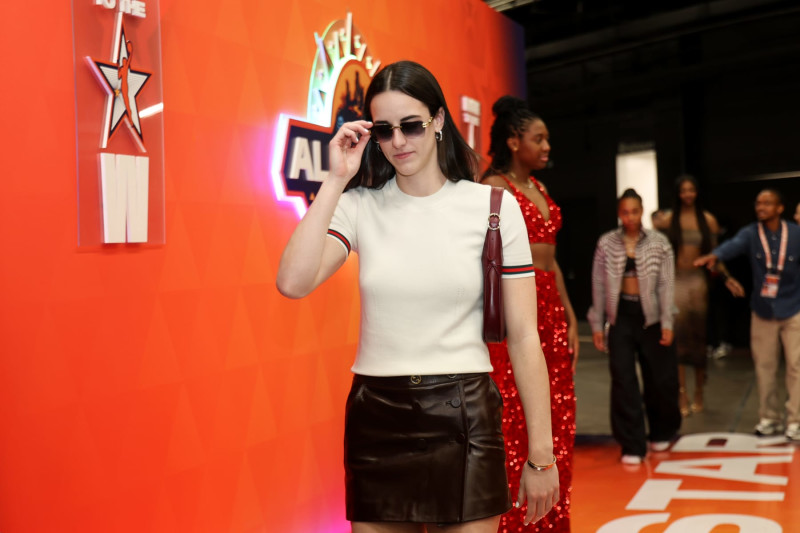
(342, 68)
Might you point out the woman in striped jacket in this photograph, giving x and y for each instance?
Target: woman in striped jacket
(633, 285)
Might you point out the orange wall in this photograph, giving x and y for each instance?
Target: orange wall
(169, 388)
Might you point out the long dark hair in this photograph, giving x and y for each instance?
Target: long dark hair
(511, 116)
(674, 232)
(457, 160)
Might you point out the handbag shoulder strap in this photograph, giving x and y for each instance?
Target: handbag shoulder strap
(496, 199)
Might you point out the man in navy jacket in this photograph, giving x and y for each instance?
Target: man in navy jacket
(773, 246)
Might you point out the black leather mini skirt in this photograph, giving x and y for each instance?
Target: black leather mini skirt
(424, 449)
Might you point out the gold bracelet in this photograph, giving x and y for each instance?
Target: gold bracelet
(542, 468)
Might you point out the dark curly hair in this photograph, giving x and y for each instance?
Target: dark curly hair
(778, 194)
(511, 116)
(457, 160)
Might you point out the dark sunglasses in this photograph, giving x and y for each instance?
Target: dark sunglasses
(414, 128)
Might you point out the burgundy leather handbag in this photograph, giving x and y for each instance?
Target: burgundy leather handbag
(494, 327)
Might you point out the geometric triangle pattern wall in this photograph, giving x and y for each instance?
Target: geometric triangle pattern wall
(170, 388)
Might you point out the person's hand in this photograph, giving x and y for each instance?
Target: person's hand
(708, 261)
(539, 490)
(735, 287)
(599, 340)
(346, 148)
(573, 343)
(666, 337)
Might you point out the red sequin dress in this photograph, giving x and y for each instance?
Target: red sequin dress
(553, 335)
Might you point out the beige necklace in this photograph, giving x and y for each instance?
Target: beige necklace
(528, 183)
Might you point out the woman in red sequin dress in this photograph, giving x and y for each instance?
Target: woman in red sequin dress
(519, 145)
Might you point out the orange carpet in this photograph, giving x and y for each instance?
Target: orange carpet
(705, 483)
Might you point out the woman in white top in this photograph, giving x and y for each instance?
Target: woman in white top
(423, 439)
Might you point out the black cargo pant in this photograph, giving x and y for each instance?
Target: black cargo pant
(627, 340)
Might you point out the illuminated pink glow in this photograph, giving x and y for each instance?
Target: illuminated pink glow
(340, 527)
(278, 152)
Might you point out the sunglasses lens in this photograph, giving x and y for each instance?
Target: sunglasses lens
(412, 129)
(384, 132)
(381, 132)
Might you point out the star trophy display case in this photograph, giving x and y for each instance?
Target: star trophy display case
(119, 122)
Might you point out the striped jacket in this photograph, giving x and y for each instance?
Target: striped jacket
(655, 270)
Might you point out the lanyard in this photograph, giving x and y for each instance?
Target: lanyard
(765, 245)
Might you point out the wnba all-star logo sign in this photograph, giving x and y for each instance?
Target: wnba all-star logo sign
(341, 72)
(120, 136)
(124, 177)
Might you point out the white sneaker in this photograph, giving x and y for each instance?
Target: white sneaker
(631, 459)
(793, 431)
(767, 427)
(663, 445)
(723, 350)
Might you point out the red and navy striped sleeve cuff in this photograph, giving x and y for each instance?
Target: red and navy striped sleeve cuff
(335, 234)
(513, 271)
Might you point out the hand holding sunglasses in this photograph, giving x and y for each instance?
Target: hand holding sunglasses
(410, 129)
(346, 147)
